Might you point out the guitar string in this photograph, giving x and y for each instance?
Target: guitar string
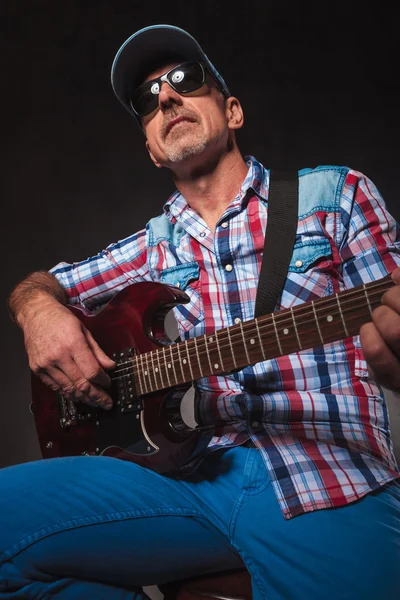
(325, 304)
(202, 351)
(247, 327)
(147, 383)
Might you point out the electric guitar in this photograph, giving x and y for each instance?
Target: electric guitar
(152, 375)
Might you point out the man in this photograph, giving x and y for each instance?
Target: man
(301, 482)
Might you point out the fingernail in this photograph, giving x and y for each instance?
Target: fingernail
(106, 404)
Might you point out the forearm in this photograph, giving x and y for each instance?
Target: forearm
(35, 289)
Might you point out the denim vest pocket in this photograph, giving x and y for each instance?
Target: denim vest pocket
(180, 275)
(309, 273)
(307, 253)
(187, 277)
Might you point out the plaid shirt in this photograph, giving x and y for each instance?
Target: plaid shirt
(319, 421)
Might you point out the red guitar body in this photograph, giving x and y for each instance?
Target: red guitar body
(147, 430)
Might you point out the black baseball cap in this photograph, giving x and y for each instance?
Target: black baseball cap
(148, 45)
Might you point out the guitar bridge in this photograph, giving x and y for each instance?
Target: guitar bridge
(124, 384)
(71, 414)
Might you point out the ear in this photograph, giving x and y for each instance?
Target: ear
(234, 113)
(155, 161)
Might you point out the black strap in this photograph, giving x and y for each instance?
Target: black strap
(279, 239)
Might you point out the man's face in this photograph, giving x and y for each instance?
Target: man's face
(185, 127)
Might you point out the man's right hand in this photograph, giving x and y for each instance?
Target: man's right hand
(64, 354)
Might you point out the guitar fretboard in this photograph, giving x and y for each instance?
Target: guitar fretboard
(281, 333)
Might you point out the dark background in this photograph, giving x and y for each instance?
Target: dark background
(318, 84)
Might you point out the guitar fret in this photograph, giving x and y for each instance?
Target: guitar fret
(276, 333)
(295, 328)
(153, 370)
(139, 375)
(198, 356)
(367, 297)
(180, 362)
(317, 323)
(166, 367)
(173, 365)
(189, 361)
(341, 314)
(159, 368)
(230, 344)
(147, 371)
(219, 352)
(259, 340)
(156, 369)
(208, 354)
(244, 343)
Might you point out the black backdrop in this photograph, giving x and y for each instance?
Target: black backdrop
(318, 86)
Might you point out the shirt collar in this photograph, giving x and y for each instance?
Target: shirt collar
(256, 180)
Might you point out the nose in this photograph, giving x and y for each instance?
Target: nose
(168, 96)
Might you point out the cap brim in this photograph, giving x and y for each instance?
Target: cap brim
(145, 47)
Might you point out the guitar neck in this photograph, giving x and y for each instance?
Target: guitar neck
(306, 326)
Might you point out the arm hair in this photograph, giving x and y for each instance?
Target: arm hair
(31, 289)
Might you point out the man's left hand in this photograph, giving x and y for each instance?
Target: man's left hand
(380, 339)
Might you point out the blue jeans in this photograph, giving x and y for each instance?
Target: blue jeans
(100, 528)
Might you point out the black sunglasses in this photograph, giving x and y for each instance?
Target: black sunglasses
(184, 78)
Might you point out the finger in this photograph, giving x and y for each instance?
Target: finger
(72, 385)
(105, 361)
(83, 389)
(88, 364)
(68, 380)
(63, 385)
(395, 275)
(49, 381)
(55, 378)
(391, 298)
(87, 355)
(382, 363)
(387, 322)
(60, 383)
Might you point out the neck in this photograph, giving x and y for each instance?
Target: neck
(308, 325)
(209, 189)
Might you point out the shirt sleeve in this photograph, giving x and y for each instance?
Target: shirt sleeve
(370, 245)
(94, 281)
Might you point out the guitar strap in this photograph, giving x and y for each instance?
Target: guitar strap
(280, 236)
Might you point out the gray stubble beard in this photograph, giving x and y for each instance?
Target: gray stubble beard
(176, 153)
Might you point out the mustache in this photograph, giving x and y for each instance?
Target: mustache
(186, 113)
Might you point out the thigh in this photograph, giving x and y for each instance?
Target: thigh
(107, 520)
(347, 553)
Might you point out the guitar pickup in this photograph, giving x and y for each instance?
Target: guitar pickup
(124, 392)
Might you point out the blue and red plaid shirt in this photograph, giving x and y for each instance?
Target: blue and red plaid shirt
(320, 422)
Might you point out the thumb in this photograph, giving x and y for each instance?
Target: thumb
(396, 275)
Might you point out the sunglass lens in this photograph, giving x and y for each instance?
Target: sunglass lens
(187, 77)
(145, 99)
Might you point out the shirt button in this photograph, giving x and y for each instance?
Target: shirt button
(255, 424)
(203, 234)
(224, 224)
(237, 320)
(298, 263)
(228, 268)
